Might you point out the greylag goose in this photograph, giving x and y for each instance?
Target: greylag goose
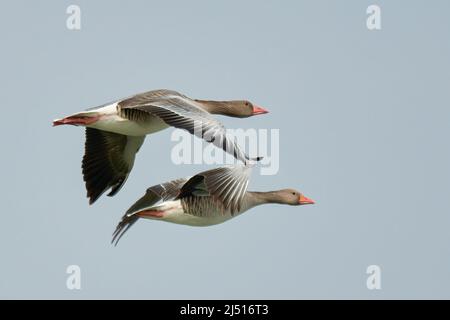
(208, 198)
(116, 131)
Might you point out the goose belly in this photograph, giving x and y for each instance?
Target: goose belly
(196, 221)
(123, 126)
(112, 122)
(173, 211)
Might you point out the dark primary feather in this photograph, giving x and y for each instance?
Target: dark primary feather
(103, 164)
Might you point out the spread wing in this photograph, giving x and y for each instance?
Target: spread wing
(107, 161)
(228, 185)
(149, 97)
(181, 112)
(161, 192)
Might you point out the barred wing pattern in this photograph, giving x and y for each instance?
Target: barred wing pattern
(181, 112)
(228, 185)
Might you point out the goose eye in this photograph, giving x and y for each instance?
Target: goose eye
(294, 193)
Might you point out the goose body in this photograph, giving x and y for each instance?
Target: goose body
(174, 212)
(208, 198)
(111, 121)
(116, 131)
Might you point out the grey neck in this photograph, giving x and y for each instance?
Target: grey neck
(258, 198)
(218, 107)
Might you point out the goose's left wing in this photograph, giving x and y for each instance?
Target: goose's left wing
(226, 184)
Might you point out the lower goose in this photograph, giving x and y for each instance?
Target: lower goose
(208, 198)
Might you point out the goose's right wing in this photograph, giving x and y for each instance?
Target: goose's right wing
(107, 161)
(161, 192)
(183, 113)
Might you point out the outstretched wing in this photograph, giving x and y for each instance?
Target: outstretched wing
(181, 112)
(107, 161)
(227, 185)
(161, 192)
(149, 97)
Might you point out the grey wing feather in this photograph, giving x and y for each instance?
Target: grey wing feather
(161, 192)
(148, 97)
(183, 113)
(226, 184)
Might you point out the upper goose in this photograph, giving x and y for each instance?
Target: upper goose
(116, 131)
(208, 198)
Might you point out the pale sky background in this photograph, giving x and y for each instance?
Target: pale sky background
(364, 121)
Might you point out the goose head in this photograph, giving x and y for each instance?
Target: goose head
(244, 109)
(233, 108)
(292, 197)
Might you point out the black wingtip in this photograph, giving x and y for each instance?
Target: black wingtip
(257, 159)
(123, 226)
(117, 186)
(92, 198)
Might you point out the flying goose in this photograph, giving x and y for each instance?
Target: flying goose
(116, 131)
(208, 198)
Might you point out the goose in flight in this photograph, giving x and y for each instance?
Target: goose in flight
(116, 131)
(208, 198)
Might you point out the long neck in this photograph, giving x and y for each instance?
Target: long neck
(217, 107)
(258, 198)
